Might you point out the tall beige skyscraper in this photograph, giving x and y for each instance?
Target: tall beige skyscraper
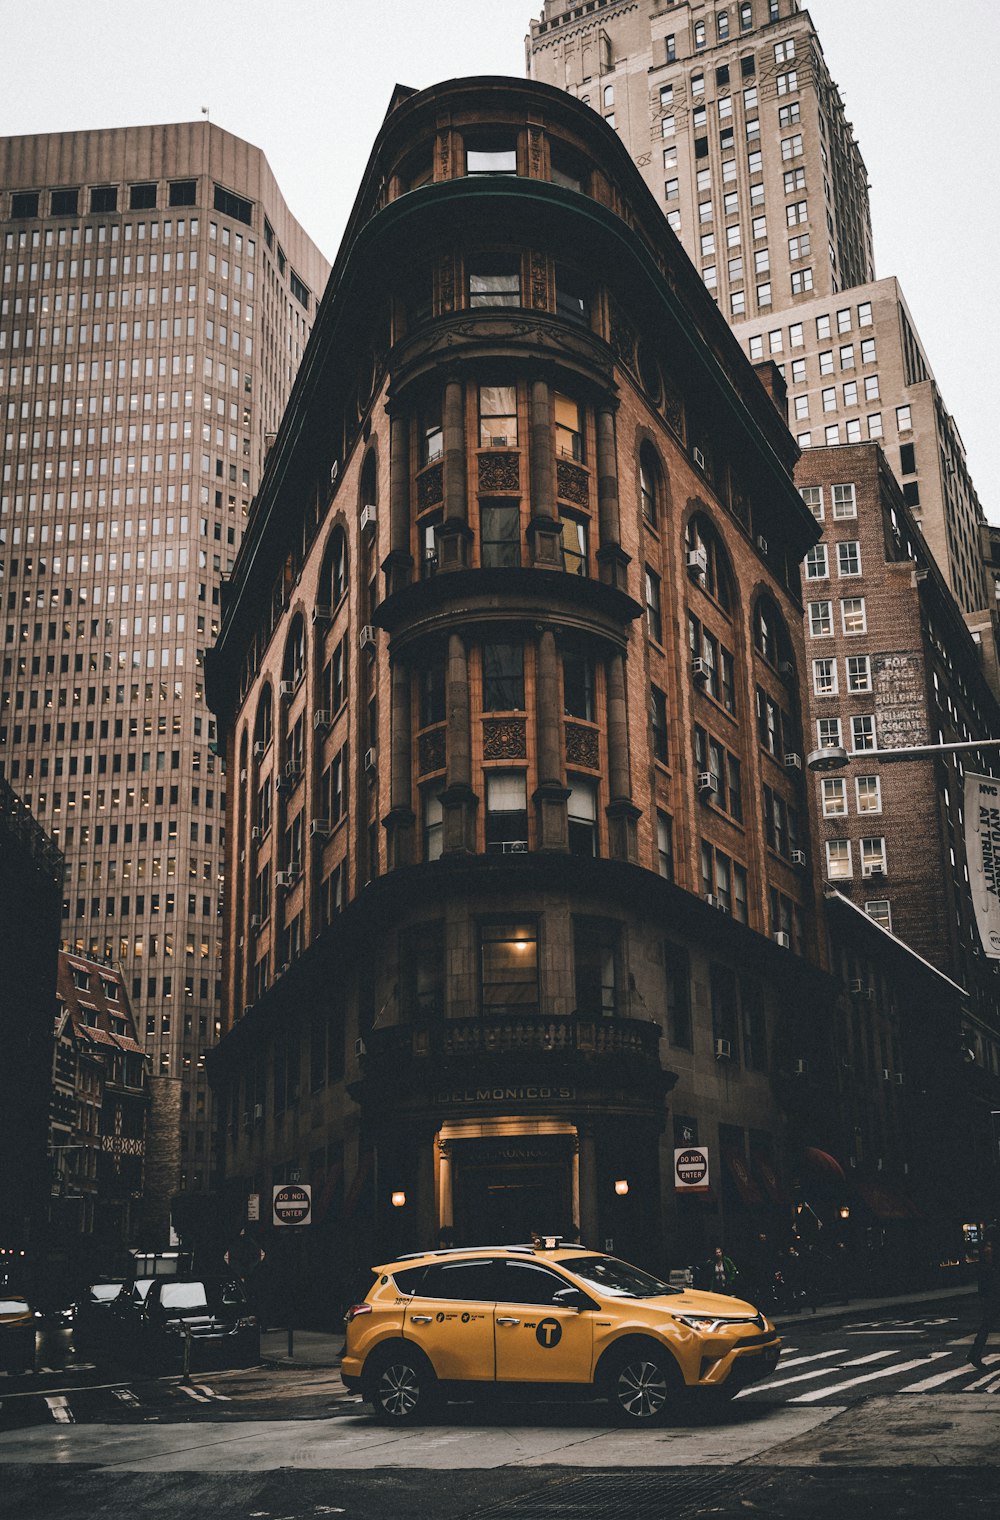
(156, 298)
(731, 114)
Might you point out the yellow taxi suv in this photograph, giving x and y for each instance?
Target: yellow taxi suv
(552, 1319)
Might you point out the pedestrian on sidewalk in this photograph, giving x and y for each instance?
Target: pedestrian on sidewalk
(720, 1272)
(989, 1296)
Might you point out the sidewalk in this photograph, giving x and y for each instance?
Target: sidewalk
(317, 1348)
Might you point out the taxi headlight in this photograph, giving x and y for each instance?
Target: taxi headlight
(705, 1323)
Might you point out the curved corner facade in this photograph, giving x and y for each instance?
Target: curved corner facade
(519, 893)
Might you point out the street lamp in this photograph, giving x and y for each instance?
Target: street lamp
(833, 757)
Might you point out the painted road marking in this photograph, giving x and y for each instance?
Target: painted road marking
(199, 1398)
(943, 1377)
(60, 1409)
(868, 1377)
(818, 1356)
(801, 1377)
(125, 1395)
(211, 1393)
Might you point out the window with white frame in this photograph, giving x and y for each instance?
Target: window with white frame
(813, 498)
(804, 440)
(796, 212)
(880, 913)
(817, 563)
(873, 856)
(862, 732)
(833, 791)
(852, 615)
(794, 179)
(859, 673)
(844, 501)
(784, 52)
(831, 433)
(838, 859)
(869, 793)
(844, 319)
(828, 733)
(821, 619)
(791, 147)
(852, 428)
(674, 221)
(825, 678)
(849, 557)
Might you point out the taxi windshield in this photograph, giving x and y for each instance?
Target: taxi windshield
(616, 1278)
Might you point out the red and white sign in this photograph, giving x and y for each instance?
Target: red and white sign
(691, 1169)
(292, 1203)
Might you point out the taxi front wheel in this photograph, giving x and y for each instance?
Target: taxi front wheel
(642, 1385)
(401, 1387)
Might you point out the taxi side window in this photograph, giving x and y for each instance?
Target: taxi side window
(459, 1279)
(409, 1279)
(523, 1282)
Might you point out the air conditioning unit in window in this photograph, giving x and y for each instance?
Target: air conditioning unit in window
(700, 669)
(802, 1068)
(723, 1050)
(786, 669)
(707, 783)
(798, 857)
(499, 441)
(873, 870)
(898, 1079)
(783, 939)
(366, 638)
(698, 458)
(288, 878)
(856, 984)
(369, 519)
(255, 834)
(259, 750)
(371, 759)
(319, 828)
(285, 966)
(293, 770)
(761, 543)
(254, 922)
(322, 719)
(286, 688)
(886, 1074)
(321, 614)
(243, 774)
(258, 1110)
(697, 562)
(360, 1048)
(793, 762)
(248, 1009)
(334, 472)
(711, 899)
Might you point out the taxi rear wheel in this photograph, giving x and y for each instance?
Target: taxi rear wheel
(401, 1388)
(642, 1386)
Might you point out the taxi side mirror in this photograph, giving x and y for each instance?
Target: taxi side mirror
(571, 1298)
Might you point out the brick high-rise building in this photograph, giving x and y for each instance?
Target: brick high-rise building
(156, 295)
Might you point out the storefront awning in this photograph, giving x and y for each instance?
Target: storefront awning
(820, 1164)
(885, 1202)
(740, 1173)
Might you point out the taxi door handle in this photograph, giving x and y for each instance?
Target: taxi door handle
(421, 1319)
(503, 1319)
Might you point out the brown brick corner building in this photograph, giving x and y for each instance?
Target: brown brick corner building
(520, 894)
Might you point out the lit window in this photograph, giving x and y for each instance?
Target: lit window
(497, 416)
(852, 615)
(838, 859)
(506, 813)
(869, 794)
(569, 430)
(834, 794)
(825, 678)
(828, 733)
(509, 964)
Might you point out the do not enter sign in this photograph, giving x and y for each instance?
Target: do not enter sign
(691, 1169)
(292, 1203)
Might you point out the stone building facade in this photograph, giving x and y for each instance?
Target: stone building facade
(156, 295)
(521, 891)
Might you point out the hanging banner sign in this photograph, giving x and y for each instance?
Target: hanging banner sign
(982, 850)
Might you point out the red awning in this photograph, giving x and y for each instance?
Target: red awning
(885, 1202)
(821, 1164)
(746, 1186)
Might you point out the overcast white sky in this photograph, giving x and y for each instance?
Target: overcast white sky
(309, 80)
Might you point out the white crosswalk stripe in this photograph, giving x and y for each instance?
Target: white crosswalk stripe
(60, 1409)
(211, 1393)
(981, 1381)
(199, 1398)
(802, 1377)
(868, 1377)
(817, 1356)
(926, 1384)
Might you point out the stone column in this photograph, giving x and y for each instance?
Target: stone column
(622, 812)
(551, 794)
(400, 819)
(454, 535)
(398, 565)
(458, 800)
(611, 558)
(543, 524)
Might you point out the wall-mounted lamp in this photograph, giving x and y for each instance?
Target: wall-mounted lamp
(621, 1187)
(844, 1211)
(399, 1199)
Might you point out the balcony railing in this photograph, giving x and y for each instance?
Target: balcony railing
(529, 1033)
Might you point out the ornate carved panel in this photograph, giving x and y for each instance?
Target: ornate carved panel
(622, 336)
(582, 746)
(446, 285)
(539, 282)
(535, 152)
(673, 406)
(430, 487)
(505, 739)
(431, 750)
(572, 483)
(499, 472)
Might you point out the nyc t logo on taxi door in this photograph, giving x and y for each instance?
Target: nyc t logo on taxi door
(548, 1333)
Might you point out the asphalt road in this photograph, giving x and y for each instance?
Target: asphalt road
(877, 1416)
